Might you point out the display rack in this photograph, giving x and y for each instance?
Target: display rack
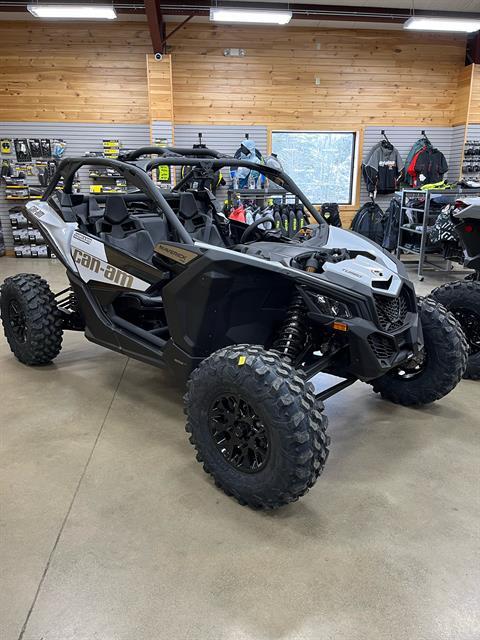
(421, 229)
(259, 194)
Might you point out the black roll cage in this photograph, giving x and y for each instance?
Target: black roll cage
(135, 170)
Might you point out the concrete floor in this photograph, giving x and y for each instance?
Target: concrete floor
(110, 530)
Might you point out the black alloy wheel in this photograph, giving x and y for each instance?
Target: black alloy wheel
(17, 320)
(239, 433)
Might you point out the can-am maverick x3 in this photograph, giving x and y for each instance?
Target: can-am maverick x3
(242, 314)
(462, 298)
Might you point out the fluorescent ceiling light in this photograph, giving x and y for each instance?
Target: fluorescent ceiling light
(73, 11)
(260, 16)
(464, 25)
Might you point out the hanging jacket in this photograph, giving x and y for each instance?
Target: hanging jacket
(386, 164)
(392, 222)
(369, 174)
(369, 221)
(431, 165)
(417, 146)
(412, 175)
(247, 151)
(273, 161)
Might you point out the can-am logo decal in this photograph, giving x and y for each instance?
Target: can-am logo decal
(116, 276)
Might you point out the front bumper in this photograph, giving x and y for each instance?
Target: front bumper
(374, 352)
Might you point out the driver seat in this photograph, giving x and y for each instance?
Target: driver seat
(121, 230)
(200, 224)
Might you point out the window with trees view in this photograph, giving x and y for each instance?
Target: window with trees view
(320, 162)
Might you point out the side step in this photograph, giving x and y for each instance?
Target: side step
(141, 333)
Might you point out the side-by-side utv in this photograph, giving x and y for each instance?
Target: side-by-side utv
(242, 314)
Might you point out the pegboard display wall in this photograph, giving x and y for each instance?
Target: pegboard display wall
(449, 140)
(79, 138)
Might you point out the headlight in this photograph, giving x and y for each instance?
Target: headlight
(330, 307)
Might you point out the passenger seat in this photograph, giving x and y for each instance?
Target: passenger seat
(123, 231)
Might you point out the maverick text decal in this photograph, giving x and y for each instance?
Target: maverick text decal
(116, 276)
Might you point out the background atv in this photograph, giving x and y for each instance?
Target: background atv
(463, 298)
(244, 315)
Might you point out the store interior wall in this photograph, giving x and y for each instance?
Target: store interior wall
(448, 139)
(315, 79)
(91, 80)
(79, 138)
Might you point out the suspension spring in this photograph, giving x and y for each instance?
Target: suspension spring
(292, 337)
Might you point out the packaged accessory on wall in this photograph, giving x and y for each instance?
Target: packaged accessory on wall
(58, 148)
(6, 169)
(6, 146)
(22, 150)
(35, 147)
(46, 148)
(111, 148)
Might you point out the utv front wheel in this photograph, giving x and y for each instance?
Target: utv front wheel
(256, 426)
(463, 300)
(31, 320)
(437, 370)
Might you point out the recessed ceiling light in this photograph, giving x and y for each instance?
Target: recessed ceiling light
(73, 11)
(257, 16)
(463, 25)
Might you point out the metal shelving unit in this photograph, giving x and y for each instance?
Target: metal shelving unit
(422, 228)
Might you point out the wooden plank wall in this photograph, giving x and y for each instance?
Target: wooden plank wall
(390, 77)
(87, 72)
(159, 73)
(97, 72)
(463, 96)
(474, 115)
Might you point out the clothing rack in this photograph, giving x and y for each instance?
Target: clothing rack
(408, 194)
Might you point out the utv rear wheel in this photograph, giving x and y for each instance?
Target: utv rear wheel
(256, 426)
(31, 320)
(437, 370)
(463, 300)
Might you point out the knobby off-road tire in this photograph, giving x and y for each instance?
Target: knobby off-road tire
(445, 360)
(463, 300)
(31, 320)
(256, 426)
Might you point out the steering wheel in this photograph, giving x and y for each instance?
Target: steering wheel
(251, 227)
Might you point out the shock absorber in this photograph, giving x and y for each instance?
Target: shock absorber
(292, 337)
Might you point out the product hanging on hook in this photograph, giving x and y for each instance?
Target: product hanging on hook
(425, 164)
(382, 168)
